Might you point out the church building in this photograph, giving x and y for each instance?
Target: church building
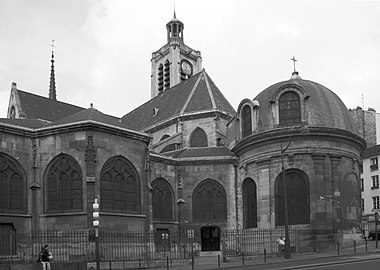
(185, 160)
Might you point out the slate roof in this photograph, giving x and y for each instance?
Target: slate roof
(200, 152)
(27, 123)
(371, 151)
(326, 108)
(38, 107)
(90, 114)
(197, 94)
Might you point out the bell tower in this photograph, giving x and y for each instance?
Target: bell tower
(175, 61)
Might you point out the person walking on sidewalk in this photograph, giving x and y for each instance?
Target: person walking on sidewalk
(281, 246)
(45, 257)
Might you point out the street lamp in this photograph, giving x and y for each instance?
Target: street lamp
(95, 223)
(286, 219)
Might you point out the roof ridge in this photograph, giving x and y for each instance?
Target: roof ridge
(210, 91)
(191, 94)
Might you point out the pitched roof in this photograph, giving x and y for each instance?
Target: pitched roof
(90, 114)
(197, 94)
(38, 107)
(28, 123)
(371, 151)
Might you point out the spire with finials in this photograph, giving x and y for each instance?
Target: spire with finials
(52, 90)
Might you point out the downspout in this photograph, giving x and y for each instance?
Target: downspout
(236, 197)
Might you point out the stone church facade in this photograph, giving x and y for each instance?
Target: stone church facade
(184, 160)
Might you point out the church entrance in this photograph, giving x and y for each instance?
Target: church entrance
(210, 236)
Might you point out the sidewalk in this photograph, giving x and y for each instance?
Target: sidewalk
(215, 262)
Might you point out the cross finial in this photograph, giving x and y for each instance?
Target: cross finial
(294, 63)
(52, 46)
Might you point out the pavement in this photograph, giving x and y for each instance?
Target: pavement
(254, 262)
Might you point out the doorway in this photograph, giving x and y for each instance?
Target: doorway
(210, 236)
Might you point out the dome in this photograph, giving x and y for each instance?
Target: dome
(320, 106)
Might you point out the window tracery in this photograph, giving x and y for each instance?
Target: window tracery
(119, 186)
(162, 198)
(249, 203)
(289, 108)
(198, 138)
(246, 115)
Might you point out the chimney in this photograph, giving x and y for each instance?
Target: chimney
(14, 86)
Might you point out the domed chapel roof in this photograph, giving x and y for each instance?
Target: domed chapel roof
(325, 108)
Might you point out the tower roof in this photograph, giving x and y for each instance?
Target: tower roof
(198, 94)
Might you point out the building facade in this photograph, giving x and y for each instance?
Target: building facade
(184, 160)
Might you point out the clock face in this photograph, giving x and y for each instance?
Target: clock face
(186, 68)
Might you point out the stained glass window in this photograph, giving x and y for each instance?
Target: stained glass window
(64, 185)
(289, 108)
(119, 186)
(12, 186)
(246, 121)
(298, 198)
(198, 138)
(209, 201)
(249, 203)
(162, 197)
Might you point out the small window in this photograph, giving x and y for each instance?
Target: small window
(198, 138)
(289, 108)
(373, 164)
(375, 182)
(376, 202)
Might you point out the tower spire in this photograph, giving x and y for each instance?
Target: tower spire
(52, 90)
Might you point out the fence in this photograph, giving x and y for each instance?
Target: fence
(140, 246)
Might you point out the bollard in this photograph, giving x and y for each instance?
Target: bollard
(354, 246)
(265, 255)
(192, 261)
(338, 249)
(366, 246)
(218, 260)
(167, 262)
(243, 261)
(110, 265)
(139, 263)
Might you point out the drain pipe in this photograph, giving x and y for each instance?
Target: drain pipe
(236, 197)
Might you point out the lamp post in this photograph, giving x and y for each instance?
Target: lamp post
(286, 220)
(95, 223)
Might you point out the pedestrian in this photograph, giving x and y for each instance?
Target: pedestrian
(281, 246)
(45, 256)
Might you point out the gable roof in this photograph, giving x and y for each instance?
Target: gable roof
(27, 123)
(195, 95)
(39, 107)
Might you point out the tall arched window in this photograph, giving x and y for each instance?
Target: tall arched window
(162, 200)
(289, 108)
(160, 78)
(298, 198)
(209, 202)
(12, 186)
(64, 185)
(119, 186)
(249, 203)
(246, 115)
(198, 138)
(167, 75)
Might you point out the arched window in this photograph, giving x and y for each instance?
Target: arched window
(198, 138)
(160, 78)
(162, 200)
(249, 203)
(209, 202)
(64, 185)
(119, 186)
(246, 116)
(298, 198)
(12, 186)
(351, 202)
(289, 108)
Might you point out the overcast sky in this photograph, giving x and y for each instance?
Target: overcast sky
(103, 48)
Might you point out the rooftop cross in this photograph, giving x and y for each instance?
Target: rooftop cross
(294, 63)
(52, 46)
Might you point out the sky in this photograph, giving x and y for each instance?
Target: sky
(104, 47)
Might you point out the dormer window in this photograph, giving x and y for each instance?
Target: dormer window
(289, 108)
